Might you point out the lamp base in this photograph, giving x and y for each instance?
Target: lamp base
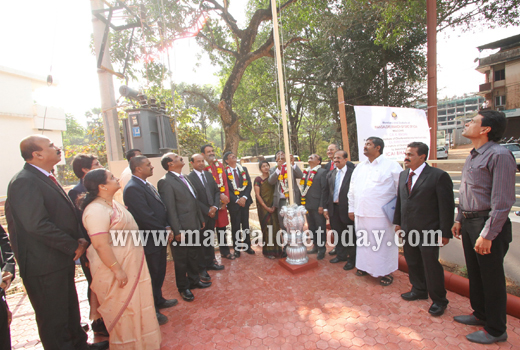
(295, 269)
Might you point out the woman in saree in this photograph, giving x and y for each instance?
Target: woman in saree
(267, 213)
(120, 276)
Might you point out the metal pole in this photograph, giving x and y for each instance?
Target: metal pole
(277, 48)
(431, 34)
(106, 89)
(343, 120)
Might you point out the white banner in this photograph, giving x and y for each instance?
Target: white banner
(396, 126)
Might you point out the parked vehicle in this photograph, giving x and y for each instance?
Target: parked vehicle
(442, 152)
(515, 149)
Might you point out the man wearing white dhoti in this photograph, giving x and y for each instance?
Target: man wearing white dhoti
(373, 185)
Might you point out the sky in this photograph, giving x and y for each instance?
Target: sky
(53, 37)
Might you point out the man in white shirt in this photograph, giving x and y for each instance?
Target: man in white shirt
(373, 185)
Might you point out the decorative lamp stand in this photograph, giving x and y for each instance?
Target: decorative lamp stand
(297, 260)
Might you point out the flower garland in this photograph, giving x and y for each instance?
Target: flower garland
(309, 181)
(283, 180)
(230, 176)
(220, 183)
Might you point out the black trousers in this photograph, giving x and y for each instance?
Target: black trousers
(425, 271)
(5, 335)
(487, 281)
(222, 241)
(186, 260)
(346, 244)
(55, 303)
(157, 266)
(207, 250)
(240, 221)
(315, 223)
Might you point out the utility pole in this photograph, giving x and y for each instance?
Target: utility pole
(106, 88)
(431, 34)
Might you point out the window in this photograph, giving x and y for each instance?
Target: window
(500, 100)
(500, 74)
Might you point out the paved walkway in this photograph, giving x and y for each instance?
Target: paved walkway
(255, 304)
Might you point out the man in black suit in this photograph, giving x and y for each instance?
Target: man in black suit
(186, 220)
(208, 195)
(336, 204)
(46, 240)
(7, 266)
(313, 197)
(145, 205)
(425, 204)
(239, 202)
(81, 165)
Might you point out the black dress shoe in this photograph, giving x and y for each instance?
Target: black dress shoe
(321, 255)
(250, 251)
(411, 295)
(333, 251)
(162, 319)
(200, 285)
(98, 327)
(483, 337)
(216, 267)
(437, 310)
(102, 345)
(237, 254)
(349, 266)
(204, 276)
(470, 320)
(335, 260)
(187, 295)
(314, 250)
(168, 303)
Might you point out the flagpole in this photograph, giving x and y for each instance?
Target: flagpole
(277, 48)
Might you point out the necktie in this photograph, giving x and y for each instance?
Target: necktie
(331, 166)
(409, 182)
(237, 180)
(337, 186)
(186, 183)
(154, 191)
(55, 181)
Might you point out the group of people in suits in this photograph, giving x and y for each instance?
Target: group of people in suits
(50, 230)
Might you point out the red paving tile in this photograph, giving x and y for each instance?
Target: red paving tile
(255, 304)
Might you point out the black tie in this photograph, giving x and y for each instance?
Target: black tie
(154, 191)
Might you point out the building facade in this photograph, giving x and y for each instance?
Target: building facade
(21, 117)
(501, 89)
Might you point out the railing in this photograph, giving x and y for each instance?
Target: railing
(484, 87)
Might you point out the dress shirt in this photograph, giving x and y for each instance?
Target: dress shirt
(44, 172)
(372, 186)
(488, 183)
(340, 174)
(126, 175)
(138, 178)
(200, 174)
(233, 172)
(185, 180)
(417, 173)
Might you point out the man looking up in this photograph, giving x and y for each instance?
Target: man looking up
(81, 165)
(487, 193)
(313, 198)
(337, 208)
(208, 196)
(425, 203)
(240, 186)
(216, 169)
(146, 206)
(185, 219)
(46, 240)
(373, 185)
